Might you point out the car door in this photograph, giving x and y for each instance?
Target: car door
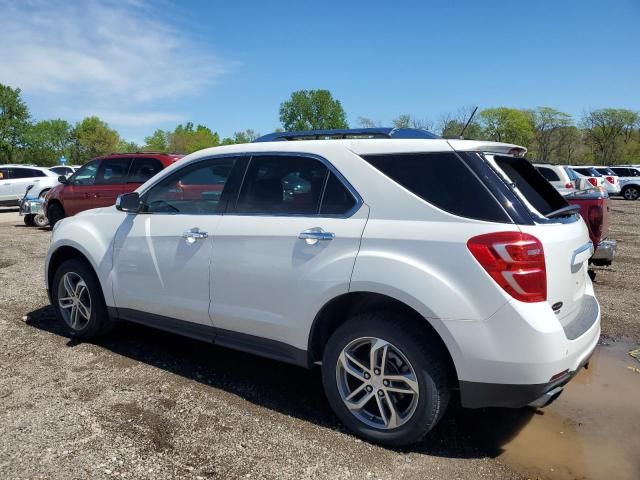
(111, 181)
(21, 178)
(77, 194)
(285, 247)
(5, 186)
(162, 255)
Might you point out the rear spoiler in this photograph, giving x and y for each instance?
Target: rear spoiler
(488, 147)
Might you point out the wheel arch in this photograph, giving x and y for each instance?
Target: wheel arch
(339, 309)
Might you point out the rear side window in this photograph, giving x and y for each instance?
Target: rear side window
(443, 180)
(549, 174)
(113, 171)
(282, 185)
(337, 200)
(536, 190)
(142, 169)
(23, 173)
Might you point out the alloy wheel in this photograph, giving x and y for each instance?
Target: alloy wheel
(377, 383)
(74, 300)
(631, 193)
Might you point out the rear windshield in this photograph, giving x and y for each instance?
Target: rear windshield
(443, 180)
(572, 174)
(536, 190)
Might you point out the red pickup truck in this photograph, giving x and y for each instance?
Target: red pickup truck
(594, 208)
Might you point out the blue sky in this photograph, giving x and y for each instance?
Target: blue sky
(143, 65)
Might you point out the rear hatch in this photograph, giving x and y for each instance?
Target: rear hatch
(560, 229)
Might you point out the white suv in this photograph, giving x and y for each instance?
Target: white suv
(345, 254)
(14, 180)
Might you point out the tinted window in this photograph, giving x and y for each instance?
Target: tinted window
(21, 173)
(282, 185)
(113, 171)
(60, 170)
(337, 199)
(623, 172)
(549, 174)
(605, 171)
(538, 192)
(443, 180)
(86, 175)
(142, 169)
(4, 174)
(589, 172)
(195, 189)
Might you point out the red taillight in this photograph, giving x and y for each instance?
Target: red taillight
(610, 180)
(595, 220)
(515, 261)
(568, 185)
(593, 181)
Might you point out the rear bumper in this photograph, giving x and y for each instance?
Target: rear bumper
(605, 253)
(480, 395)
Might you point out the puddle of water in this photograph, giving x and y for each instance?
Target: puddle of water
(592, 431)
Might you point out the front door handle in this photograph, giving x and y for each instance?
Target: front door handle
(194, 234)
(314, 235)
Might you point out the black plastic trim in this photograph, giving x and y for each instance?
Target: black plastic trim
(260, 346)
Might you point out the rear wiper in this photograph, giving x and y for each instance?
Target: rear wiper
(564, 211)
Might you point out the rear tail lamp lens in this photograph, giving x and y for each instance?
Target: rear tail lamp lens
(568, 185)
(593, 181)
(515, 261)
(610, 180)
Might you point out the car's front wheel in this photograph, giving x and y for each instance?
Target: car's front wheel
(28, 220)
(78, 300)
(55, 213)
(386, 380)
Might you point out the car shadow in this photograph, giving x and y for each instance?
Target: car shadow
(288, 389)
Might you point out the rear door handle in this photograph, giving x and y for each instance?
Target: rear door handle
(194, 234)
(316, 234)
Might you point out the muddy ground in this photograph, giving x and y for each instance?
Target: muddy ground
(145, 404)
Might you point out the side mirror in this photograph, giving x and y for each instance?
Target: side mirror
(129, 202)
(63, 179)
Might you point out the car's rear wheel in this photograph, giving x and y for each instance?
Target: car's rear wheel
(631, 193)
(78, 300)
(386, 380)
(55, 213)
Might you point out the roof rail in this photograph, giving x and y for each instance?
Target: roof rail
(150, 152)
(333, 134)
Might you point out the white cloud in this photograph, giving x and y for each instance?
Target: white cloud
(97, 55)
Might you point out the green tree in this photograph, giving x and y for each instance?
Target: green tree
(124, 146)
(246, 136)
(312, 110)
(407, 121)
(508, 125)
(606, 129)
(451, 125)
(158, 141)
(48, 140)
(547, 123)
(187, 139)
(92, 138)
(14, 122)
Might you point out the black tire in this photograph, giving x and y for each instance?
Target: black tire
(28, 220)
(631, 192)
(55, 213)
(99, 322)
(40, 220)
(424, 355)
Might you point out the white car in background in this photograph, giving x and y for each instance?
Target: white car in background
(612, 181)
(15, 178)
(66, 170)
(597, 179)
(563, 178)
(629, 177)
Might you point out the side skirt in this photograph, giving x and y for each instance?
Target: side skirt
(263, 347)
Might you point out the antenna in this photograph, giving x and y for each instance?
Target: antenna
(475, 109)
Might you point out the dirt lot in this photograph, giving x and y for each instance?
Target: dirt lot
(145, 404)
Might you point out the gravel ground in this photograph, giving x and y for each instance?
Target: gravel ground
(146, 404)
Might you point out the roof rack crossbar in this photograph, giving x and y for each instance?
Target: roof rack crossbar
(412, 133)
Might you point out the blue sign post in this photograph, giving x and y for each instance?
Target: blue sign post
(63, 160)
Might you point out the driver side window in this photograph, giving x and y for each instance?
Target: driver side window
(86, 175)
(193, 190)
